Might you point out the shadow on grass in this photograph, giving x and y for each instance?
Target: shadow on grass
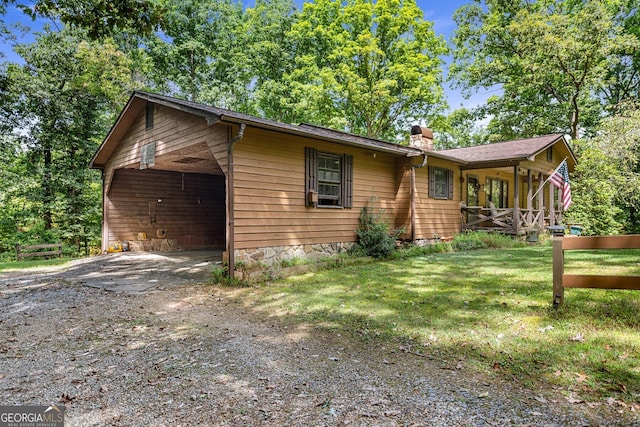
(491, 308)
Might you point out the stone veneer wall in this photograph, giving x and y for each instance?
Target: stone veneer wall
(274, 255)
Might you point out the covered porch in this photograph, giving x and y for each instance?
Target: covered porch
(513, 204)
(503, 185)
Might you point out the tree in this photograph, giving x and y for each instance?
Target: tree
(623, 77)
(459, 129)
(606, 184)
(100, 18)
(270, 51)
(550, 58)
(367, 68)
(196, 55)
(62, 100)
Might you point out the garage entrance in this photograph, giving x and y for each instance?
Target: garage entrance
(161, 210)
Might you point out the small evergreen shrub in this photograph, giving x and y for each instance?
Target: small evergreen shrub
(375, 236)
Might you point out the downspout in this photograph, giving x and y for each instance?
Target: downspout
(413, 195)
(230, 205)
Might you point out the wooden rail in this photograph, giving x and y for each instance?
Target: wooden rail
(561, 280)
(50, 249)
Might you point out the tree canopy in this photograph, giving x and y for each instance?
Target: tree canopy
(552, 61)
(99, 18)
(370, 67)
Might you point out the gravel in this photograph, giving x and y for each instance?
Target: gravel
(195, 355)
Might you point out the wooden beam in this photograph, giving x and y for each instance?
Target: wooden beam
(600, 281)
(529, 197)
(558, 272)
(552, 206)
(516, 199)
(540, 200)
(491, 164)
(629, 241)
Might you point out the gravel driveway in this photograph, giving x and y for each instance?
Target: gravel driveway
(166, 352)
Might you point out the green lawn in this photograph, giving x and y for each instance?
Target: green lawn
(487, 309)
(8, 263)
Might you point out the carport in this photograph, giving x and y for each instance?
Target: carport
(164, 183)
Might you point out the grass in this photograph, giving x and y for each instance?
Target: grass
(489, 309)
(11, 264)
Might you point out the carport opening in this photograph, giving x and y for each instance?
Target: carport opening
(158, 210)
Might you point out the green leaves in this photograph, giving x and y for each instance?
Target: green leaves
(366, 68)
(61, 101)
(606, 187)
(99, 18)
(550, 59)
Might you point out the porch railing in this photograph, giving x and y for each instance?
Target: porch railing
(502, 219)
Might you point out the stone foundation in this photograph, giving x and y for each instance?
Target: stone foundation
(276, 255)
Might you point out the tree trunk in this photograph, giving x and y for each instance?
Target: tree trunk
(47, 189)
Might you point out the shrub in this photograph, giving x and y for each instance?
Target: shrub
(468, 242)
(220, 276)
(478, 240)
(375, 236)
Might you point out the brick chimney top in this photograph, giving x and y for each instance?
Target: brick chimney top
(422, 138)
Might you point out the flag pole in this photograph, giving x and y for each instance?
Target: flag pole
(550, 175)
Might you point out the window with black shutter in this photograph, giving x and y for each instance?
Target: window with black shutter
(440, 183)
(329, 179)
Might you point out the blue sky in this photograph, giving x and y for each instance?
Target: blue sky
(439, 12)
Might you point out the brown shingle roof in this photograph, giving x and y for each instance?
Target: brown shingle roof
(520, 149)
(302, 129)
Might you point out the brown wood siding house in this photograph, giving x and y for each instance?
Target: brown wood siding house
(179, 175)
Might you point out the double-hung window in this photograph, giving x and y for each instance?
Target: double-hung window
(329, 179)
(440, 183)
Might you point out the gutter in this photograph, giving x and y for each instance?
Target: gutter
(413, 194)
(230, 202)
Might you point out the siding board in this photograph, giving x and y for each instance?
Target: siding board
(270, 199)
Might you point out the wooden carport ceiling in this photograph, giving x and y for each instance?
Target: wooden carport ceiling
(195, 158)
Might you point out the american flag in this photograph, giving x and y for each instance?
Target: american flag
(560, 179)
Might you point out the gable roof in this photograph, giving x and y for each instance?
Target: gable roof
(496, 154)
(508, 151)
(213, 115)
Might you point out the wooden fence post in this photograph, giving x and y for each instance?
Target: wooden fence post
(558, 271)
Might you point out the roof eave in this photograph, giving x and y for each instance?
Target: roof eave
(104, 143)
(292, 130)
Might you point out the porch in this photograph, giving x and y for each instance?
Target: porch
(510, 200)
(501, 220)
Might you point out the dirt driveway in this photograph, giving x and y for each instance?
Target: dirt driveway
(143, 345)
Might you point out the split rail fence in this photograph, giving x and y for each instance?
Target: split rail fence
(49, 249)
(562, 280)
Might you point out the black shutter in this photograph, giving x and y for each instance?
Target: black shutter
(311, 174)
(450, 176)
(347, 181)
(432, 183)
